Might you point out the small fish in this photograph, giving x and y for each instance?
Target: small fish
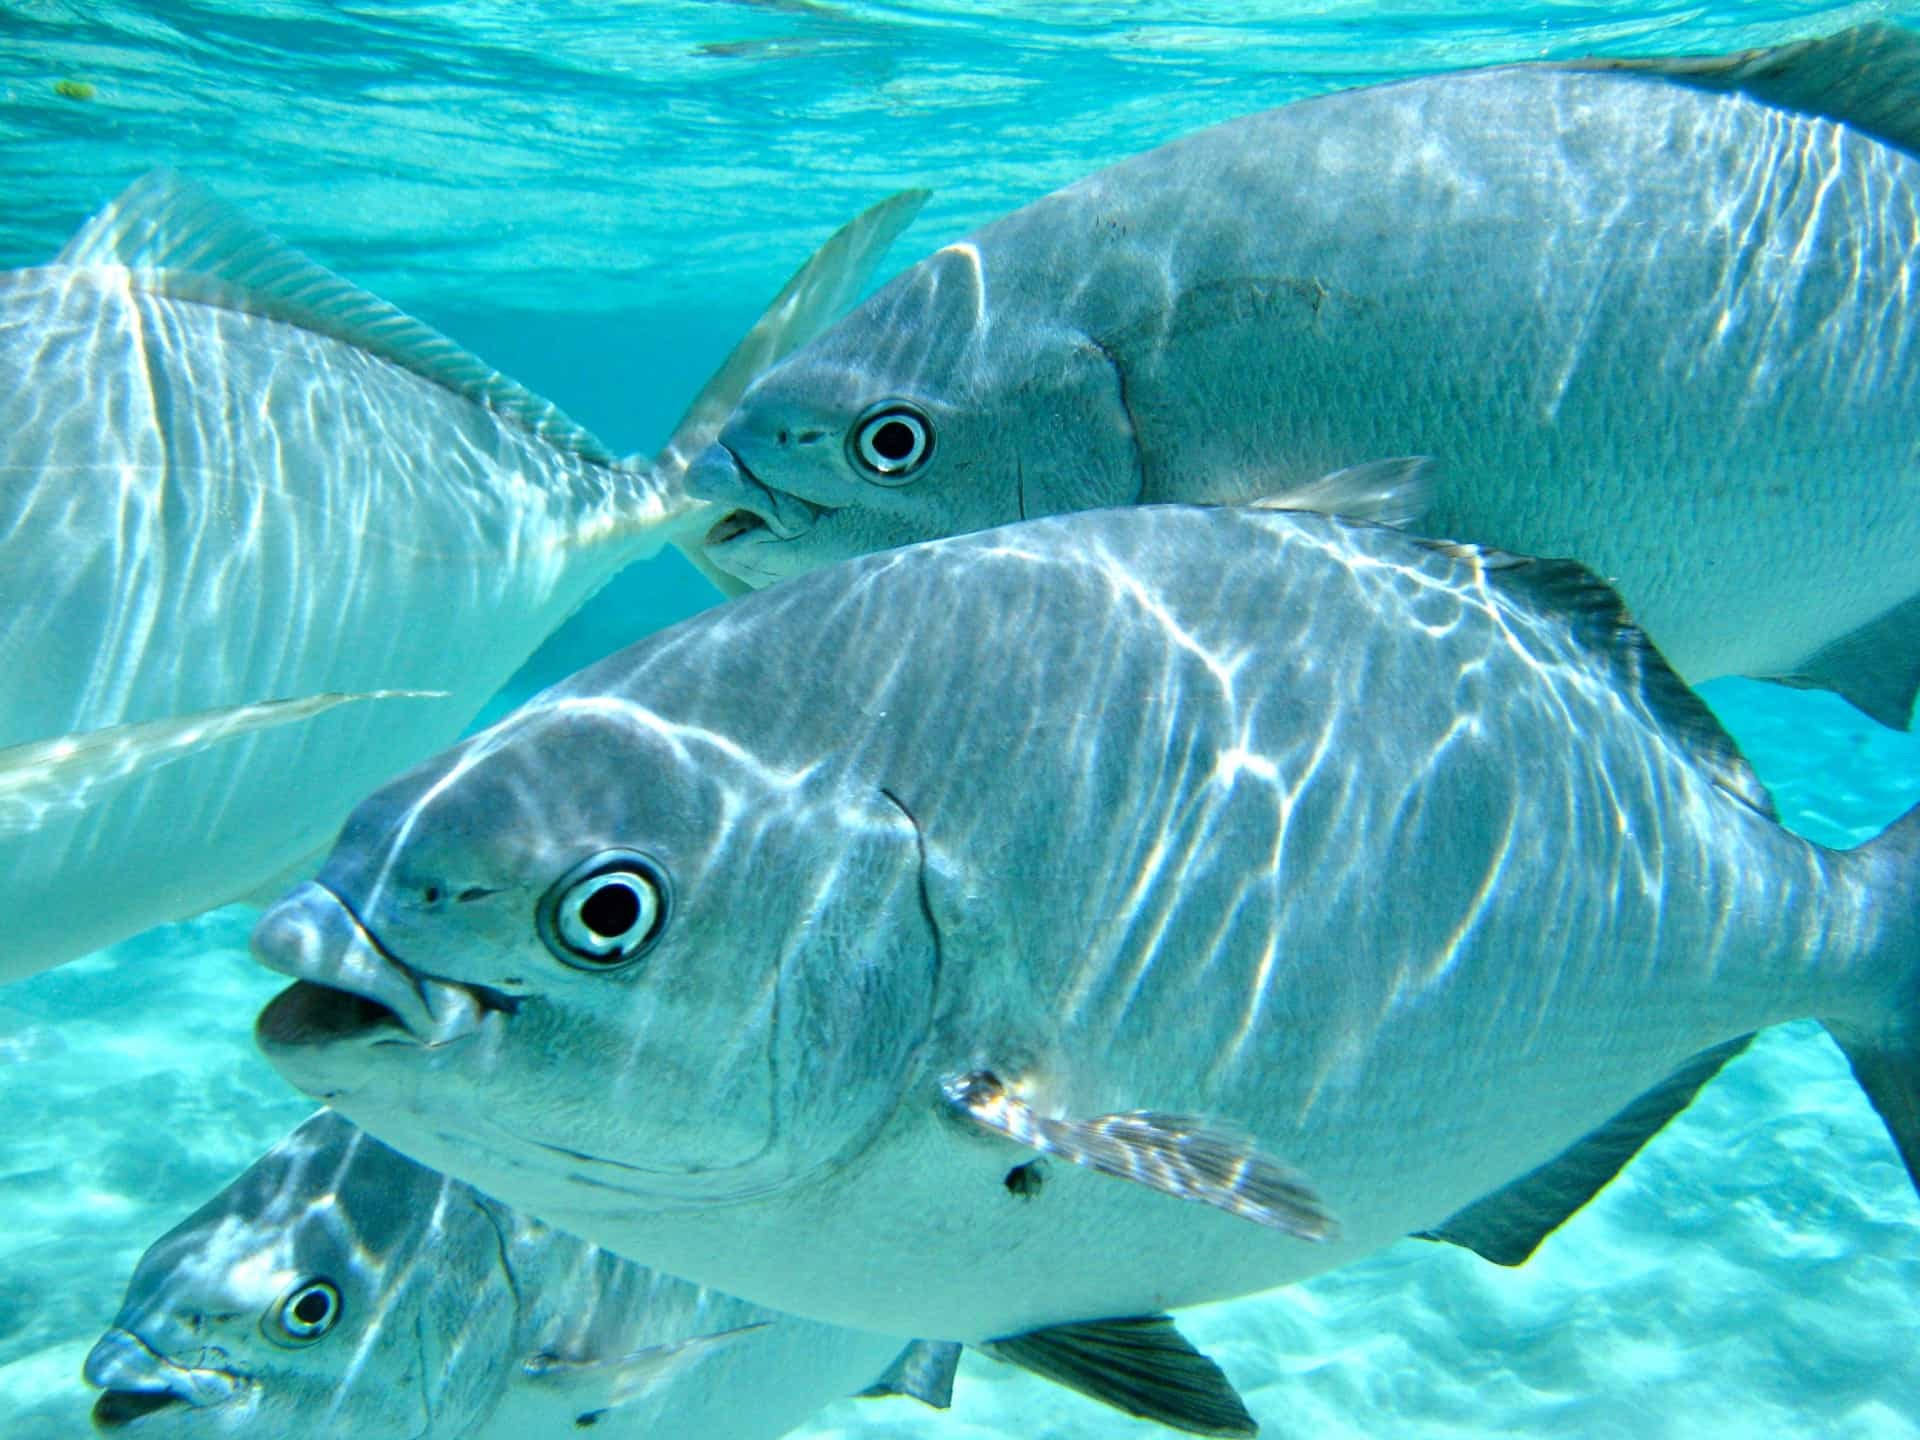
(1654, 316)
(229, 478)
(1124, 909)
(338, 1288)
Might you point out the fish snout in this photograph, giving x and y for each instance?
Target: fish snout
(351, 990)
(750, 510)
(136, 1382)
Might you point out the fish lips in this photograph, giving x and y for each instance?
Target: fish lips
(136, 1382)
(351, 992)
(752, 512)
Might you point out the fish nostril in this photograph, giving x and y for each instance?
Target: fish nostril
(811, 437)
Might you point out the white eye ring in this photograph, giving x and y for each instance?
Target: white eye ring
(892, 442)
(606, 911)
(307, 1312)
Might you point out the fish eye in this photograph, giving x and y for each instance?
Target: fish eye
(606, 911)
(305, 1313)
(891, 442)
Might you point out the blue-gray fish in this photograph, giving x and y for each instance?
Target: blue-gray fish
(337, 1285)
(230, 481)
(1111, 911)
(336, 1288)
(1655, 316)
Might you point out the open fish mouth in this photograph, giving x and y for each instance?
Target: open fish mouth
(117, 1409)
(352, 991)
(306, 1014)
(732, 526)
(752, 511)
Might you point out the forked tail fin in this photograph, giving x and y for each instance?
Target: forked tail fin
(1885, 1056)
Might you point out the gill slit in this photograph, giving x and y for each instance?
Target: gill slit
(1133, 421)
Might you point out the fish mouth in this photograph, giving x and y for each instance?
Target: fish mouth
(753, 512)
(136, 1382)
(117, 1409)
(350, 990)
(306, 1015)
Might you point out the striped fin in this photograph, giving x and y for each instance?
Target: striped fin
(54, 777)
(1177, 1155)
(185, 244)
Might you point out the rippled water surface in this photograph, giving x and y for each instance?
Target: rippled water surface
(599, 197)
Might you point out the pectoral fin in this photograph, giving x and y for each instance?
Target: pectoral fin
(1140, 1365)
(1177, 1155)
(45, 778)
(1507, 1226)
(600, 1384)
(923, 1371)
(1875, 668)
(1387, 492)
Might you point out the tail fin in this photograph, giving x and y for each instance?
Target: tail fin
(1886, 1058)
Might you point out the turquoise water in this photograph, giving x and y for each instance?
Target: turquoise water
(598, 199)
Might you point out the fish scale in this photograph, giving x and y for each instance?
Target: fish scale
(1164, 842)
(1652, 316)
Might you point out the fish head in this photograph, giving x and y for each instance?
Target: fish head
(611, 950)
(334, 1288)
(931, 410)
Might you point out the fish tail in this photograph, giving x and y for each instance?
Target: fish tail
(1884, 1050)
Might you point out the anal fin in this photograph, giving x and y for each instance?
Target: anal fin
(1178, 1155)
(1508, 1225)
(923, 1371)
(1140, 1365)
(1874, 668)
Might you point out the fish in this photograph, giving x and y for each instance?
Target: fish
(337, 1288)
(337, 1285)
(1650, 315)
(233, 485)
(1100, 914)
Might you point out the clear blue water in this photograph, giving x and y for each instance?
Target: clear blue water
(598, 198)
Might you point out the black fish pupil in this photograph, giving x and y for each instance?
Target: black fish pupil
(312, 1307)
(894, 440)
(611, 910)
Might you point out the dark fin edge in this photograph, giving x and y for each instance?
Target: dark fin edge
(1139, 1365)
(923, 1371)
(1866, 77)
(1508, 1225)
(1600, 622)
(1875, 667)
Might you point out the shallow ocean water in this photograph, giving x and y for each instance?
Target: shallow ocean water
(598, 198)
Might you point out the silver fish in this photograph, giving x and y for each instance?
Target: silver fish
(1638, 321)
(336, 1284)
(232, 482)
(336, 1288)
(1115, 910)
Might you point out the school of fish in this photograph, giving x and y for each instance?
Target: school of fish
(1186, 643)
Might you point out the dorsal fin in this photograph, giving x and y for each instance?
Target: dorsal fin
(180, 241)
(1599, 620)
(1867, 77)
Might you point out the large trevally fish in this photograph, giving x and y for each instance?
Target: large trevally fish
(1656, 317)
(337, 1286)
(1106, 912)
(236, 491)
